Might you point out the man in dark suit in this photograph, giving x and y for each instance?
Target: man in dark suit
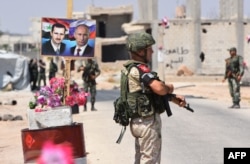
(54, 46)
(82, 48)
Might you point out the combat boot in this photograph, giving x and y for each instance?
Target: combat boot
(93, 108)
(85, 108)
(237, 106)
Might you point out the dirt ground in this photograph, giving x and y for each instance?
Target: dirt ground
(10, 137)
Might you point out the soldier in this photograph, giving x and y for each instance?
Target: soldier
(90, 72)
(41, 73)
(233, 73)
(143, 87)
(33, 69)
(52, 69)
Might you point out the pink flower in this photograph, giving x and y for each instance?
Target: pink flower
(38, 109)
(70, 100)
(41, 100)
(81, 99)
(54, 100)
(56, 154)
(52, 95)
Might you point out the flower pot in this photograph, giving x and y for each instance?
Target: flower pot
(75, 109)
(33, 140)
(58, 116)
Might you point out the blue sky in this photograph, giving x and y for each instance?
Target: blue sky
(15, 15)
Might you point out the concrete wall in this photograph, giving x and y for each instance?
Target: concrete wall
(246, 50)
(215, 38)
(178, 46)
(220, 36)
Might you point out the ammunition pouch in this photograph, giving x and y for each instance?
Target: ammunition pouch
(121, 115)
(140, 105)
(87, 77)
(231, 74)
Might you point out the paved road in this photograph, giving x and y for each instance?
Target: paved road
(197, 138)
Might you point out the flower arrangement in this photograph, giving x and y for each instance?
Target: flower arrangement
(52, 96)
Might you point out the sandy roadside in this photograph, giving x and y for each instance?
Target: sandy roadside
(10, 138)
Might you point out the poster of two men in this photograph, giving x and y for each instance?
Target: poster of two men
(68, 37)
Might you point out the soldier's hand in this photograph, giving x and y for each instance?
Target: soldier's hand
(170, 88)
(179, 100)
(239, 78)
(81, 68)
(92, 77)
(223, 80)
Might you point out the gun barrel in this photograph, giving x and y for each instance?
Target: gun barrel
(188, 108)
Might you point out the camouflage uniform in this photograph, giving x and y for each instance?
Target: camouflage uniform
(91, 68)
(33, 70)
(52, 69)
(41, 73)
(234, 68)
(145, 129)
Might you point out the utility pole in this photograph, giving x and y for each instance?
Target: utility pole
(194, 13)
(69, 8)
(151, 16)
(68, 60)
(240, 27)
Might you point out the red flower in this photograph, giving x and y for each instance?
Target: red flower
(70, 100)
(81, 99)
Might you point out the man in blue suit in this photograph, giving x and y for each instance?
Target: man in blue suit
(82, 48)
(54, 46)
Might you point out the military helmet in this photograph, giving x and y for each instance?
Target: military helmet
(139, 41)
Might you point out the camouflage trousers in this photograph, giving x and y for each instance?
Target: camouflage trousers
(91, 88)
(234, 89)
(41, 77)
(147, 133)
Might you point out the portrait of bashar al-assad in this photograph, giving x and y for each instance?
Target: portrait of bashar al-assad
(55, 45)
(68, 37)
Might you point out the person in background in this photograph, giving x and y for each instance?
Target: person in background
(33, 70)
(52, 69)
(41, 73)
(55, 46)
(90, 72)
(234, 70)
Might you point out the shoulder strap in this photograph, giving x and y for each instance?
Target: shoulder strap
(124, 91)
(124, 82)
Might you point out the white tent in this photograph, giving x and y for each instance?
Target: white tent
(14, 70)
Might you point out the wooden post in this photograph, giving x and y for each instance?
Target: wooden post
(67, 60)
(69, 8)
(67, 79)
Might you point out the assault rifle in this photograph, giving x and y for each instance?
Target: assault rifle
(87, 73)
(174, 99)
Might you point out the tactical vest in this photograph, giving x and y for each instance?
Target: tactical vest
(142, 103)
(234, 66)
(88, 71)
